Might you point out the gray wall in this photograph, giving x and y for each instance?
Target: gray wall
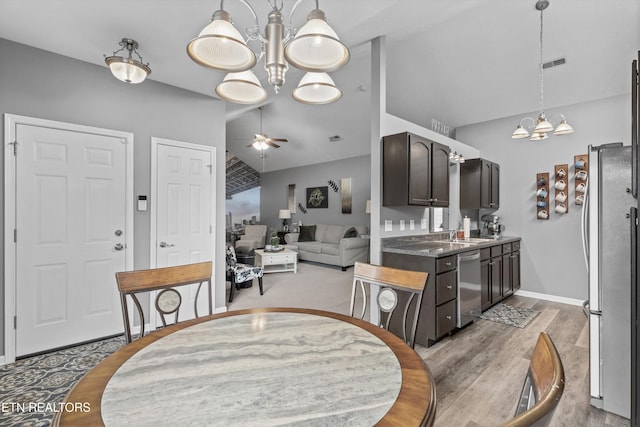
(41, 84)
(275, 187)
(552, 261)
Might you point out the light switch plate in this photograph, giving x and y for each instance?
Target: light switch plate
(412, 224)
(388, 225)
(423, 223)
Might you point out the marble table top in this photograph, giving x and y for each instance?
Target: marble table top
(257, 369)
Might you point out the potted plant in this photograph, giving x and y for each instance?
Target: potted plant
(274, 240)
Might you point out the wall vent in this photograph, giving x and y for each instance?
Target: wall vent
(335, 138)
(553, 63)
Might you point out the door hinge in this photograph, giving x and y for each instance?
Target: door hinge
(210, 167)
(15, 322)
(210, 229)
(15, 235)
(15, 147)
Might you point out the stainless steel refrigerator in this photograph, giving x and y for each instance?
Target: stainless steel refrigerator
(607, 236)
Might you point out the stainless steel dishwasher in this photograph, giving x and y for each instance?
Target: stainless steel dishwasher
(468, 288)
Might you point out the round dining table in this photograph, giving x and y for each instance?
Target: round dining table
(258, 367)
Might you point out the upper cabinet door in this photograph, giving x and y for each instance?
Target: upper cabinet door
(494, 203)
(419, 172)
(485, 184)
(439, 175)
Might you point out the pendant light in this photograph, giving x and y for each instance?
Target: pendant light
(542, 125)
(316, 88)
(128, 69)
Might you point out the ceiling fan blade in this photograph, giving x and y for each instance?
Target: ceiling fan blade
(271, 143)
(279, 139)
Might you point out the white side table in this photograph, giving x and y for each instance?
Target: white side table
(276, 262)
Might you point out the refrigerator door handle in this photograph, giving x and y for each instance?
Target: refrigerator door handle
(585, 227)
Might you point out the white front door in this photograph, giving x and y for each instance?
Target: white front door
(184, 211)
(71, 235)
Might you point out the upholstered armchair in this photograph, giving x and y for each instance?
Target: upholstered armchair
(253, 238)
(241, 273)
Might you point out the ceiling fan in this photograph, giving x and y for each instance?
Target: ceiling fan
(261, 141)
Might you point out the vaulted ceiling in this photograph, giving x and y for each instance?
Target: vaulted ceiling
(460, 63)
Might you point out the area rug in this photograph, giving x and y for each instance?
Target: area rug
(33, 389)
(509, 315)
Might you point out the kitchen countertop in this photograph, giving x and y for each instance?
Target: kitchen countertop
(438, 245)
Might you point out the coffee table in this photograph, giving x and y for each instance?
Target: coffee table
(277, 261)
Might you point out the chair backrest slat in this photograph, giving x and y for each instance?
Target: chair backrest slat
(409, 283)
(133, 282)
(546, 378)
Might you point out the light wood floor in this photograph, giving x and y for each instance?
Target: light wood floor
(479, 371)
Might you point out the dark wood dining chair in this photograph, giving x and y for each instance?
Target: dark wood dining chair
(168, 300)
(543, 386)
(391, 281)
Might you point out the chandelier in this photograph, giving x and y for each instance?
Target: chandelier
(542, 126)
(314, 48)
(128, 69)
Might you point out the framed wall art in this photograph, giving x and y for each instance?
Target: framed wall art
(317, 197)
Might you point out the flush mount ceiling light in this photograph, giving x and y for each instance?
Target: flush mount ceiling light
(542, 126)
(315, 48)
(129, 69)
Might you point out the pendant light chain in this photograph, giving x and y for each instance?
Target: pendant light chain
(541, 68)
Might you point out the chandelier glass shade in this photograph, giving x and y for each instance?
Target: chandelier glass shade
(241, 88)
(316, 88)
(542, 126)
(315, 48)
(128, 69)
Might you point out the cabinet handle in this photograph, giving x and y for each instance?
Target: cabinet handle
(449, 287)
(512, 256)
(448, 264)
(448, 317)
(491, 263)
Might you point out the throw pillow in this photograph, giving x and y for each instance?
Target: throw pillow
(351, 232)
(307, 233)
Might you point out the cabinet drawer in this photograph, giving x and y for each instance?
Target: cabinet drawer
(485, 253)
(445, 318)
(506, 248)
(515, 246)
(445, 264)
(446, 286)
(278, 259)
(496, 250)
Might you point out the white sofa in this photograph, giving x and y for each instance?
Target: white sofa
(331, 247)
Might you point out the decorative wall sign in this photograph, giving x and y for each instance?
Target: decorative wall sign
(345, 196)
(317, 197)
(292, 198)
(333, 185)
(302, 208)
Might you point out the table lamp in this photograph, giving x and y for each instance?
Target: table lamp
(284, 215)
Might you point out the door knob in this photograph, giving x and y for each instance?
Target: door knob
(165, 245)
(118, 247)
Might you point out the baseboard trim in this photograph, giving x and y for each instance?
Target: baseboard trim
(220, 310)
(547, 297)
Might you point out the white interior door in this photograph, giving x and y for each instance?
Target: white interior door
(184, 220)
(71, 228)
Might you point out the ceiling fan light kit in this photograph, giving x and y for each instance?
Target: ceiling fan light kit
(128, 69)
(315, 48)
(541, 127)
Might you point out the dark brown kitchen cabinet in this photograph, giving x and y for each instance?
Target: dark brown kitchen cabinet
(415, 171)
(437, 316)
(479, 184)
(499, 273)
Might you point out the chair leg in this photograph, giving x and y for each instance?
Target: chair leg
(233, 286)
(260, 284)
